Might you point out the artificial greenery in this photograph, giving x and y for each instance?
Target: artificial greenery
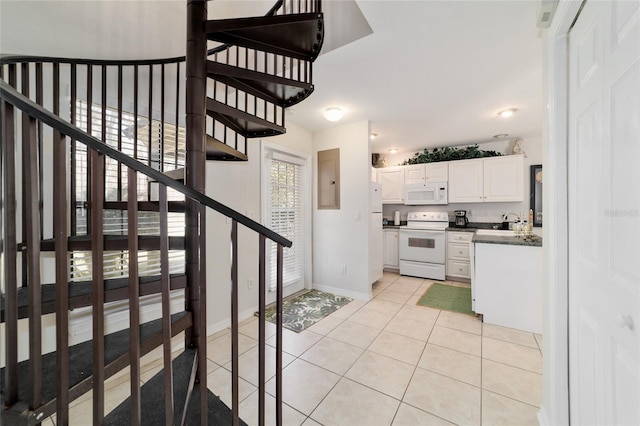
(449, 154)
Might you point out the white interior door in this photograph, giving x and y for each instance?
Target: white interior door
(604, 214)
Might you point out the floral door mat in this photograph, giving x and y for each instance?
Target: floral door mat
(306, 309)
(449, 298)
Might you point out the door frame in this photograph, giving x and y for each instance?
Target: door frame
(266, 148)
(555, 399)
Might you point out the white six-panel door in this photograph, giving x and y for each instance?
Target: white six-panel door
(604, 214)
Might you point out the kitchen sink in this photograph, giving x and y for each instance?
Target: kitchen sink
(495, 232)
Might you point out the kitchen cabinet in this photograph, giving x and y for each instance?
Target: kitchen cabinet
(494, 179)
(507, 285)
(458, 259)
(430, 172)
(504, 178)
(466, 181)
(392, 181)
(390, 248)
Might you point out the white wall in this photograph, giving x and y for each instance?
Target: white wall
(238, 185)
(341, 237)
(478, 212)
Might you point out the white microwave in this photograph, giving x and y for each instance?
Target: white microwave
(419, 194)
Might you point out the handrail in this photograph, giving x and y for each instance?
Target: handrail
(20, 101)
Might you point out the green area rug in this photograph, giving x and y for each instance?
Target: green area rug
(306, 309)
(449, 298)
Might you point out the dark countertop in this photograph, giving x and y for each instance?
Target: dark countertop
(392, 226)
(529, 240)
(473, 226)
(513, 240)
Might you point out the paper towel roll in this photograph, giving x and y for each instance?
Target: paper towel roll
(396, 218)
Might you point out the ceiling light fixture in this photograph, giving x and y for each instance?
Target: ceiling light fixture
(333, 114)
(372, 136)
(507, 112)
(500, 136)
(392, 150)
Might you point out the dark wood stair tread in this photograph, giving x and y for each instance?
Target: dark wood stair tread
(146, 206)
(246, 124)
(218, 151)
(298, 36)
(80, 361)
(80, 293)
(152, 399)
(112, 242)
(275, 89)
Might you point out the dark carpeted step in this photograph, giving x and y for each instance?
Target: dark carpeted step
(80, 293)
(80, 361)
(152, 399)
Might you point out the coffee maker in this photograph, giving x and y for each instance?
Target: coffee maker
(461, 219)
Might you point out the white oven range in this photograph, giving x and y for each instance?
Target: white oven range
(422, 245)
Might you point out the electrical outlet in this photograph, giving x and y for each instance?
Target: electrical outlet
(343, 270)
(249, 283)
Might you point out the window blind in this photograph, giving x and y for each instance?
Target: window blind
(159, 145)
(287, 217)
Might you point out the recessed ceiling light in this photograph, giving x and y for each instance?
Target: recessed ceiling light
(507, 112)
(392, 150)
(333, 114)
(372, 136)
(500, 136)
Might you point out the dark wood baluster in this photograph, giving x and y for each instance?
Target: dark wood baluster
(175, 165)
(261, 329)
(60, 235)
(88, 153)
(136, 94)
(279, 298)
(73, 197)
(119, 137)
(166, 307)
(24, 83)
(234, 324)
(10, 254)
(30, 179)
(162, 84)
(202, 309)
(150, 128)
(134, 296)
(40, 139)
(97, 260)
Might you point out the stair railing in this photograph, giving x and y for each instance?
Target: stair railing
(21, 120)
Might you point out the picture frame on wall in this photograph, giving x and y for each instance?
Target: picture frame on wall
(535, 196)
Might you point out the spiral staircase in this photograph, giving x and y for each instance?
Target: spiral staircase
(103, 205)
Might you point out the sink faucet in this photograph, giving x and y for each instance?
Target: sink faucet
(504, 216)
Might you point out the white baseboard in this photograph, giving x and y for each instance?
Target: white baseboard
(226, 323)
(543, 418)
(342, 292)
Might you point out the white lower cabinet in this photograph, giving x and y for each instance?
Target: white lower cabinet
(458, 254)
(390, 248)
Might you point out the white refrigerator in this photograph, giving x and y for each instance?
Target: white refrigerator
(375, 232)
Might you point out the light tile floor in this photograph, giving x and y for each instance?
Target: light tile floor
(382, 362)
(390, 362)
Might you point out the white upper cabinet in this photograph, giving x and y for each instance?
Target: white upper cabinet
(466, 181)
(504, 178)
(430, 172)
(392, 181)
(414, 173)
(494, 179)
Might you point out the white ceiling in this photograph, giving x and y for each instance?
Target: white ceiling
(432, 73)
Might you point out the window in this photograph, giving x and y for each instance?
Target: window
(155, 141)
(286, 215)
